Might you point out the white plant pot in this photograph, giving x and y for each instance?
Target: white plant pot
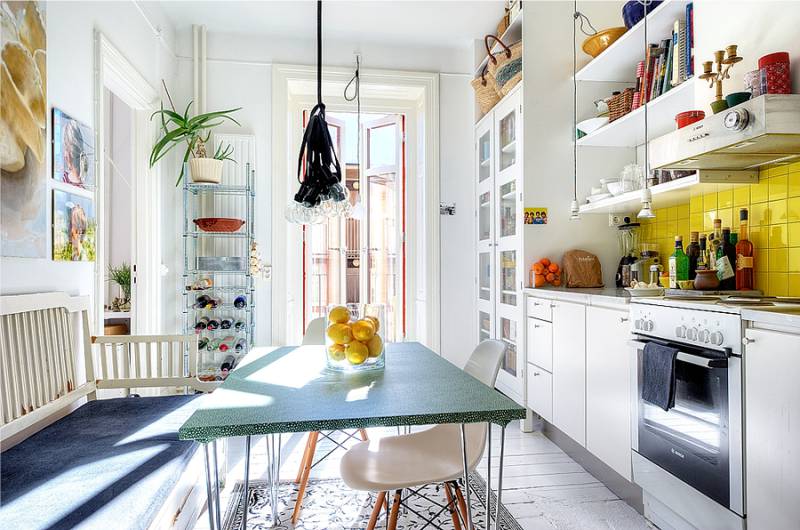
(206, 170)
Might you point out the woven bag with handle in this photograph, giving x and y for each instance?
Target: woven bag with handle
(486, 92)
(505, 66)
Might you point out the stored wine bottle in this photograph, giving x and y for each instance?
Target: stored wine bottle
(202, 343)
(702, 259)
(744, 256)
(226, 323)
(202, 301)
(226, 344)
(693, 251)
(213, 324)
(240, 302)
(241, 344)
(240, 325)
(228, 363)
(201, 324)
(678, 264)
(726, 260)
(213, 345)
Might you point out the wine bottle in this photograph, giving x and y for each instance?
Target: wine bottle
(702, 259)
(240, 302)
(213, 324)
(202, 343)
(226, 323)
(744, 256)
(678, 264)
(726, 260)
(202, 301)
(241, 344)
(213, 345)
(240, 325)
(201, 324)
(228, 363)
(693, 251)
(226, 344)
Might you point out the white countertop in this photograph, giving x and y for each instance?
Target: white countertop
(610, 295)
(780, 315)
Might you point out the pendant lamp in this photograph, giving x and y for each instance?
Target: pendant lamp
(321, 195)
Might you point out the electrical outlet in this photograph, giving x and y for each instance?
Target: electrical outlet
(614, 219)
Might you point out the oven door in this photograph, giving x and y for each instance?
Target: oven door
(699, 440)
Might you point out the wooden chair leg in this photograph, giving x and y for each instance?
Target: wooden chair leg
(462, 504)
(395, 510)
(451, 507)
(376, 511)
(303, 460)
(363, 433)
(312, 447)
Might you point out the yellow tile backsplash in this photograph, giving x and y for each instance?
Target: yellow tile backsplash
(774, 206)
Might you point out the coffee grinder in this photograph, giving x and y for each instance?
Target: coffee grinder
(628, 238)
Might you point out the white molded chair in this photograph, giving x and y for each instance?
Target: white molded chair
(315, 335)
(432, 456)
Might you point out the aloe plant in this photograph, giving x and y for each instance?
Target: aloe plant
(194, 132)
(122, 277)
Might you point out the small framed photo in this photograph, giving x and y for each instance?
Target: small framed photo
(73, 151)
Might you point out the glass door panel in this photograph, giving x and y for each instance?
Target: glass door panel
(484, 326)
(485, 275)
(508, 209)
(382, 275)
(484, 157)
(508, 330)
(508, 140)
(485, 217)
(508, 275)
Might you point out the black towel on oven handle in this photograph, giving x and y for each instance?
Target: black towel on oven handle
(658, 377)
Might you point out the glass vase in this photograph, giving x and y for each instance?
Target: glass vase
(354, 337)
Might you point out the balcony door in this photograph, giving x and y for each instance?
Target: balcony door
(361, 259)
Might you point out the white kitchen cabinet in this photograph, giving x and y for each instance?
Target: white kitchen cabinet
(772, 427)
(499, 178)
(540, 392)
(608, 392)
(539, 342)
(569, 369)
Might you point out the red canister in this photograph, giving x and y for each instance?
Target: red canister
(689, 117)
(776, 76)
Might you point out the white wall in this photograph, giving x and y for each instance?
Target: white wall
(70, 86)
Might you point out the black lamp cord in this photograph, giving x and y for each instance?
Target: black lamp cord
(355, 82)
(575, 16)
(319, 52)
(646, 130)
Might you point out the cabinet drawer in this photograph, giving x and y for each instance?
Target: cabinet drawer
(539, 308)
(540, 392)
(539, 341)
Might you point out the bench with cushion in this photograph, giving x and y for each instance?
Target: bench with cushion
(110, 463)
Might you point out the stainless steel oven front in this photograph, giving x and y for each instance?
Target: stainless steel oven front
(698, 441)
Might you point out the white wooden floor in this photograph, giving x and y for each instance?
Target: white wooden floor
(543, 488)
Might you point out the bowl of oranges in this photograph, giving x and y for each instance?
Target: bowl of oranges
(354, 338)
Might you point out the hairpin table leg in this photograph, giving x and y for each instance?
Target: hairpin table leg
(216, 487)
(500, 476)
(468, 515)
(246, 482)
(209, 496)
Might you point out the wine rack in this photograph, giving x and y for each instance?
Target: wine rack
(222, 284)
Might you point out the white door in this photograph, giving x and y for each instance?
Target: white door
(569, 369)
(608, 392)
(508, 238)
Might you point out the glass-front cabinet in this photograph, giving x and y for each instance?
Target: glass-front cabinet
(499, 214)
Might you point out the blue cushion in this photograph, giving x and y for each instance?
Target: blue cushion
(110, 464)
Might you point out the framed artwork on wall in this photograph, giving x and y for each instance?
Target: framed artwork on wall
(23, 130)
(74, 227)
(73, 151)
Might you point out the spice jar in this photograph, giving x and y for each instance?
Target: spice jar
(775, 73)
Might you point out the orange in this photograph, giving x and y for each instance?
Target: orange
(340, 333)
(375, 346)
(538, 280)
(336, 352)
(545, 262)
(538, 268)
(363, 330)
(339, 315)
(550, 277)
(356, 352)
(553, 267)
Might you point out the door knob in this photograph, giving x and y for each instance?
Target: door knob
(747, 341)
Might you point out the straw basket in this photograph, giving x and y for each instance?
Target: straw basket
(486, 92)
(505, 66)
(620, 104)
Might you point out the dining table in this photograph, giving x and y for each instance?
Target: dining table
(289, 389)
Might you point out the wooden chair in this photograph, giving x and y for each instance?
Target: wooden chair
(433, 456)
(315, 335)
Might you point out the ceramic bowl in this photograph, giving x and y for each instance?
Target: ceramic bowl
(737, 97)
(686, 284)
(218, 224)
(596, 44)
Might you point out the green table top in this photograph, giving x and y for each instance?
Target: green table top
(288, 389)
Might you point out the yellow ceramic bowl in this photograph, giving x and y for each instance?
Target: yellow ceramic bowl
(686, 284)
(595, 44)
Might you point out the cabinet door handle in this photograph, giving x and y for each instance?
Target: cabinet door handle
(553, 305)
(536, 326)
(623, 319)
(536, 373)
(747, 341)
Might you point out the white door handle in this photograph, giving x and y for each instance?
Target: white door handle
(747, 341)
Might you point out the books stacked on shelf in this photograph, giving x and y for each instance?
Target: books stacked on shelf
(667, 63)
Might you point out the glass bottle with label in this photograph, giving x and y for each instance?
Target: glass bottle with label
(702, 259)
(678, 264)
(744, 256)
(726, 259)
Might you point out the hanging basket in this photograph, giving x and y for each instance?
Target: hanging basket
(486, 92)
(507, 54)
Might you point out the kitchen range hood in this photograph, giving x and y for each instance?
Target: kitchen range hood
(734, 143)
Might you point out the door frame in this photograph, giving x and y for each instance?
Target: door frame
(114, 72)
(414, 94)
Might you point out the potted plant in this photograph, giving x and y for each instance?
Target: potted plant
(122, 277)
(193, 132)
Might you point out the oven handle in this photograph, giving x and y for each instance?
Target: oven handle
(705, 362)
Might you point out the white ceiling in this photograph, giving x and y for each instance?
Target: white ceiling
(443, 24)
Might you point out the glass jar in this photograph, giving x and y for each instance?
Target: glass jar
(354, 337)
